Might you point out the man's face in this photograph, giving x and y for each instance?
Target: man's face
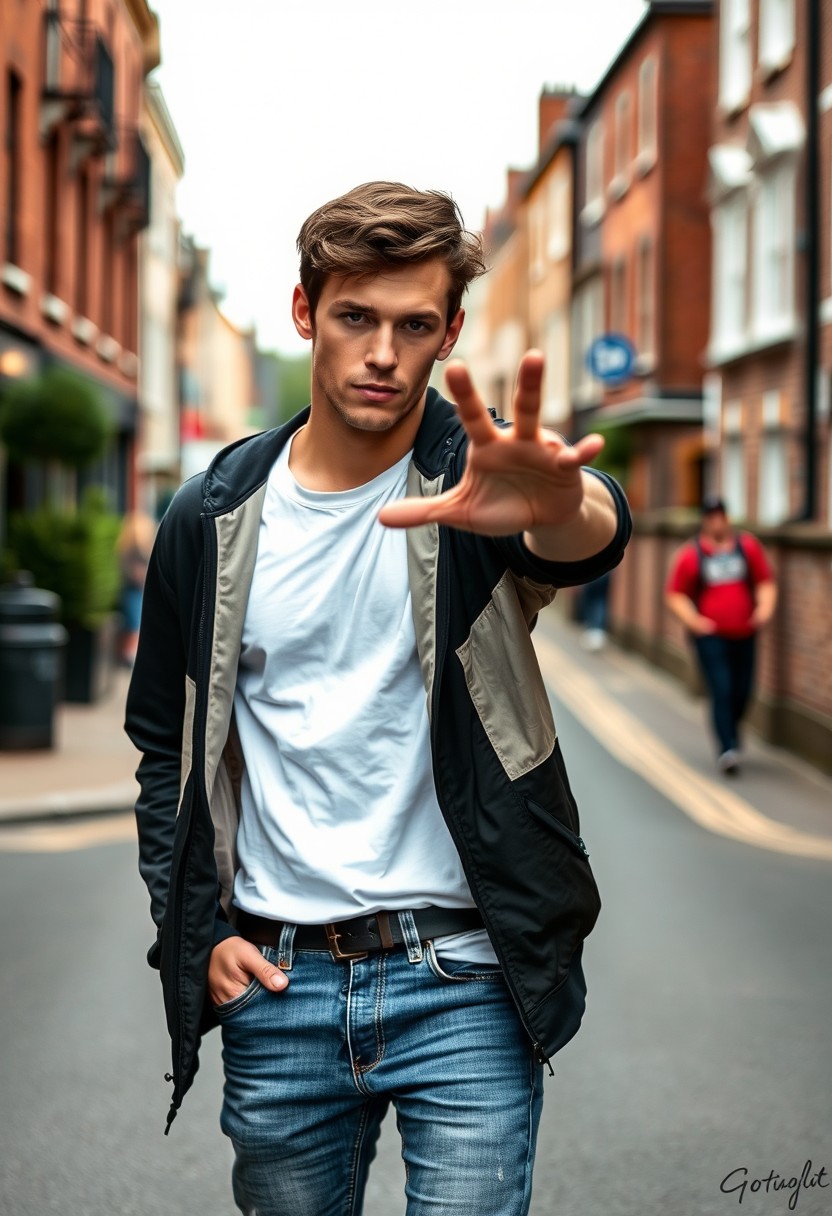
(715, 526)
(375, 339)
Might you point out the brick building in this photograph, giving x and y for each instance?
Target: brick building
(217, 366)
(769, 358)
(761, 415)
(642, 246)
(157, 459)
(74, 194)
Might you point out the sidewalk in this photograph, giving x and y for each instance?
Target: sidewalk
(89, 769)
(652, 722)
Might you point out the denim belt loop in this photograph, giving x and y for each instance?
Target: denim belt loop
(286, 948)
(412, 941)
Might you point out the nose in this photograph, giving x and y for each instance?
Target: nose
(382, 350)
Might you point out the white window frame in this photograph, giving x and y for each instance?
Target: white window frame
(735, 66)
(648, 114)
(594, 172)
(622, 151)
(588, 324)
(732, 470)
(560, 218)
(646, 303)
(774, 237)
(730, 221)
(777, 34)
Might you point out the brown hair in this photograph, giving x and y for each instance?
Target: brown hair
(384, 224)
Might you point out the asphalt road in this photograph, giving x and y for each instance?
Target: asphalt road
(705, 1049)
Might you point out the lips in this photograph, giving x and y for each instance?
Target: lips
(376, 392)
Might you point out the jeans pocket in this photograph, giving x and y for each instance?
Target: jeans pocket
(239, 1001)
(461, 972)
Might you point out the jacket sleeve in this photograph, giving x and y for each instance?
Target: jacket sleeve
(523, 562)
(156, 700)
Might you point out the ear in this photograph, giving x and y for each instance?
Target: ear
(302, 314)
(451, 335)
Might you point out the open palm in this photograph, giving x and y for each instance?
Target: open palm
(515, 479)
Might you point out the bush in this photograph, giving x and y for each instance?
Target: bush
(73, 555)
(57, 417)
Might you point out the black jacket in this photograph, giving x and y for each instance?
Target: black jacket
(498, 770)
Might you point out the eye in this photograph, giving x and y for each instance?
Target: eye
(352, 318)
(416, 327)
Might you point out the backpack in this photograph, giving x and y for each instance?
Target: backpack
(702, 556)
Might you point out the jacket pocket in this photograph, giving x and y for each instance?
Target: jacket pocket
(550, 820)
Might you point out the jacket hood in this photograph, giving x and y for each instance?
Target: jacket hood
(238, 470)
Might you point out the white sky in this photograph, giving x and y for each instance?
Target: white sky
(299, 100)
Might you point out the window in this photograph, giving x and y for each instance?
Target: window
(588, 324)
(774, 242)
(773, 480)
(623, 151)
(537, 237)
(618, 297)
(777, 32)
(595, 171)
(733, 461)
(82, 253)
(560, 219)
(108, 268)
(645, 300)
(51, 204)
(13, 115)
(647, 111)
(556, 376)
(735, 54)
(730, 220)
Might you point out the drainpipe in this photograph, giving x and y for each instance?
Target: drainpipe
(812, 259)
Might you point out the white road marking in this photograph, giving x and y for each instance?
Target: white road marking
(710, 805)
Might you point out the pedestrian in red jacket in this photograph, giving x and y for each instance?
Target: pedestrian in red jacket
(721, 587)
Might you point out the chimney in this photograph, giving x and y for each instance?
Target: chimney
(553, 107)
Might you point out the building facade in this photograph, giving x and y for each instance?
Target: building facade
(74, 195)
(157, 459)
(642, 249)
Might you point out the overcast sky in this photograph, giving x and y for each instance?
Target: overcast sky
(283, 104)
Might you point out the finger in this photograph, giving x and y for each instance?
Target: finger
(413, 512)
(527, 395)
(472, 412)
(268, 975)
(582, 452)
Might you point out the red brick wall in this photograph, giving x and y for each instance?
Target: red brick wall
(21, 49)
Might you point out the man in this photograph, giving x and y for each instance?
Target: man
(722, 589)
(375, 882)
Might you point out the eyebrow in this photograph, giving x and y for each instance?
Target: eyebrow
(427, 314)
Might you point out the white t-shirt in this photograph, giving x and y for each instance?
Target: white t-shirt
(339, 810)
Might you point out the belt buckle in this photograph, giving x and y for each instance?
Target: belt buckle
(333, 937)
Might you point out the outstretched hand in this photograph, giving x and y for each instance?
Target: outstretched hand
(520, 479)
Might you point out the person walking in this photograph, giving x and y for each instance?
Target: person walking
(362, 850)
(722, 589)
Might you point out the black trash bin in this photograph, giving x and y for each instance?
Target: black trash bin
(31, 644)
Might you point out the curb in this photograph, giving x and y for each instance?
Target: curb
(116, 799)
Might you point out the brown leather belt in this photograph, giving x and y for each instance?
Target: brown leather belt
(357, 937)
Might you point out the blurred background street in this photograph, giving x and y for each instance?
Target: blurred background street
(653, 185)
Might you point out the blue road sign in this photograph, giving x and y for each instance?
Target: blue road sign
(611, 358)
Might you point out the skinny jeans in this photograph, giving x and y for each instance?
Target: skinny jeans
(311, 1071)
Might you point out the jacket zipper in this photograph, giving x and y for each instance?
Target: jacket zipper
(200, 793)
(442, 621)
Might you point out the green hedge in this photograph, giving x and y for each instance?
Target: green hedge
(73, 555)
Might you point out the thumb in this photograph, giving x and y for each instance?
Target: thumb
(269, 975)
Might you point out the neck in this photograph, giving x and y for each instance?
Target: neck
(328, 455)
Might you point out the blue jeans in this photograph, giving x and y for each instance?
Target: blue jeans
(310, 1072)
(728, 668)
